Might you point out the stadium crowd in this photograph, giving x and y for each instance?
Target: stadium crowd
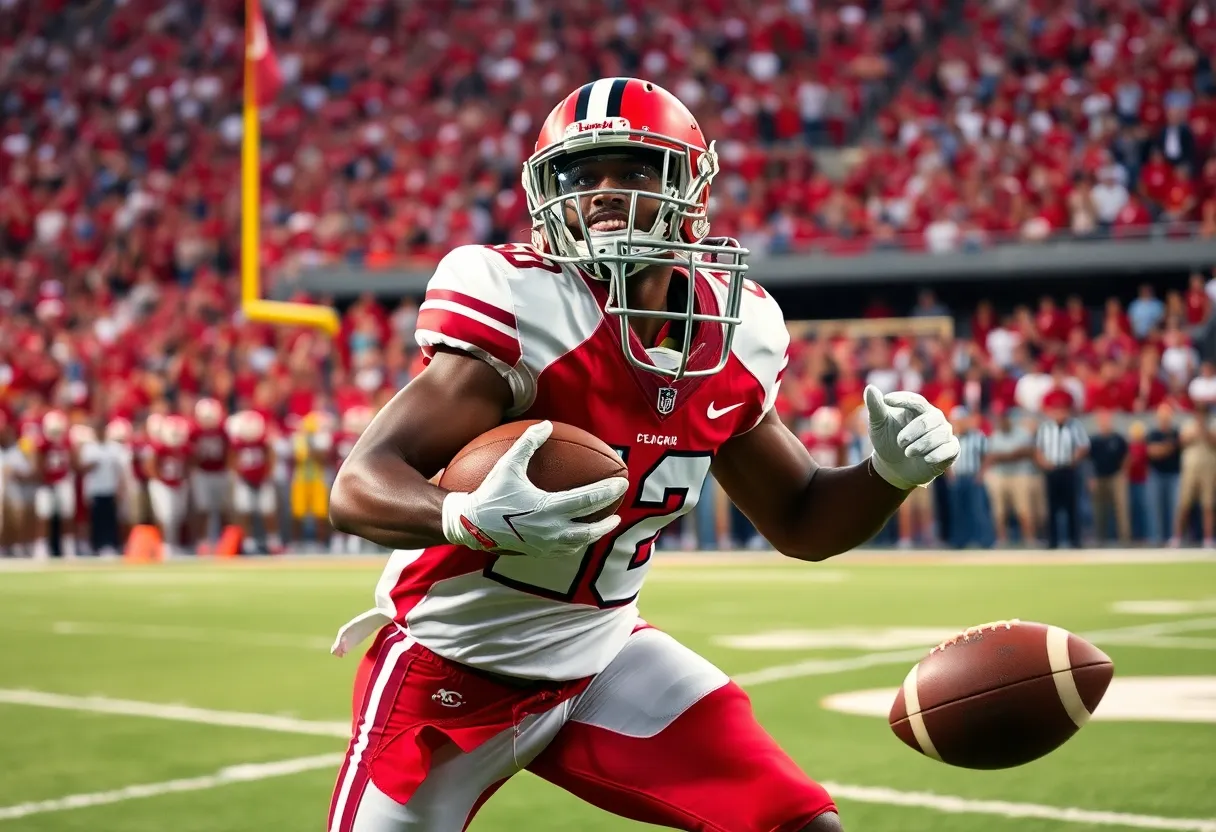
(173, 377)
(120, 140)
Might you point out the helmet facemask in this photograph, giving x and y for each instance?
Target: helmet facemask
(618, 255)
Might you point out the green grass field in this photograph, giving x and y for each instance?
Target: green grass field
(91, 656)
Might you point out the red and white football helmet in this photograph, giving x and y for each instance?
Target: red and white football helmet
(118, 430)
(54, 425)
(250, 426)
(175, 432)
(825, 422)
(154, 426)
(356, 419)
(614, 116)
(81, 434)
(208, 413)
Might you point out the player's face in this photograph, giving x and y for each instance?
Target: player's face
(608, 212)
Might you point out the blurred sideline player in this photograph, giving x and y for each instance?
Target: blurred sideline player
(140, 509)
(312, 448)
(209, 480)
(824, 437)
(120, 432)
(354, 421)
(167, 465)
(80, 437)
(55, 479)
(253, 492)
(509, 634)
(15, 488)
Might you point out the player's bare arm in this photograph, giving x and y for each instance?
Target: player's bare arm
(804, 510)
(382, 492)
(811, 513)
(447, 406)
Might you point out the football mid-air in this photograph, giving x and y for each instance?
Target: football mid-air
(1000, 695)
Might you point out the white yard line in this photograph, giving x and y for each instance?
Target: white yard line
(1165, 642)
(245, 773)
(884, 557)
(826, 667)
(1140, 635)
(946, 557)
(768, 575)
(201, 635)
(1064, 814)
(258, 771)
(178, 713)
(1162, 628)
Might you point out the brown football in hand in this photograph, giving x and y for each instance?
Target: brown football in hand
(1000, 695)
(570, 457)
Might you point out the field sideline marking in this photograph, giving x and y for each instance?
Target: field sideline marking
(951, 804)
(1139, 635)
(825, 667)
(201, 635)
(245, 773)
(233, 774)
(860, 557)
(177, 713)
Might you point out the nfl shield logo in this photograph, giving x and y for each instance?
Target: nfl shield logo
(667, 400)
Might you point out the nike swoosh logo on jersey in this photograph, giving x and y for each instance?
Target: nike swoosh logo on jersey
(714, 412)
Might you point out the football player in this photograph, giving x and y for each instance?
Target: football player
(354, 421)
(55, 475)
(142, 445)
(167, 466)
(253, 492)
(312, 472)
(209, 481)
(824, 438)
(16, 473)
(81, 436)
(120, 432)
(509, 635)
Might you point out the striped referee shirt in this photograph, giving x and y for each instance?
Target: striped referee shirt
(972, 446)
(1059, 443)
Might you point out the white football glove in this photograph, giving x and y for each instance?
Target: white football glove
(913, 441)
(508, 512)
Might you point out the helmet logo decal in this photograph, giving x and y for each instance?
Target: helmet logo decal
(595, 125)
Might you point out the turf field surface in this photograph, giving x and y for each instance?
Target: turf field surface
(204, 692)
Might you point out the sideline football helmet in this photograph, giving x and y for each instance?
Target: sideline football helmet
(208, 413)
(614, 116)
(250, 426)
(55, 425)
(119, 430)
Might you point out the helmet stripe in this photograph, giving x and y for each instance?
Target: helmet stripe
(615, 96)
(584, 98)
(597, 106)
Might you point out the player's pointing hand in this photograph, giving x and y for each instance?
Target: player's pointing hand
(913, 441)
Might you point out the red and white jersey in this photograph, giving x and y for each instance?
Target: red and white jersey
(829, 451)
(209, 448)
(251, 460)
(55, 459)
(141, 449)
(542, 326)
(170, 465)
(344, 443)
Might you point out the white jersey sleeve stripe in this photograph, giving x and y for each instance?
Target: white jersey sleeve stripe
(460, 309)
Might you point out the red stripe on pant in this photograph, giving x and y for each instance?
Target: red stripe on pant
(367, 724)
